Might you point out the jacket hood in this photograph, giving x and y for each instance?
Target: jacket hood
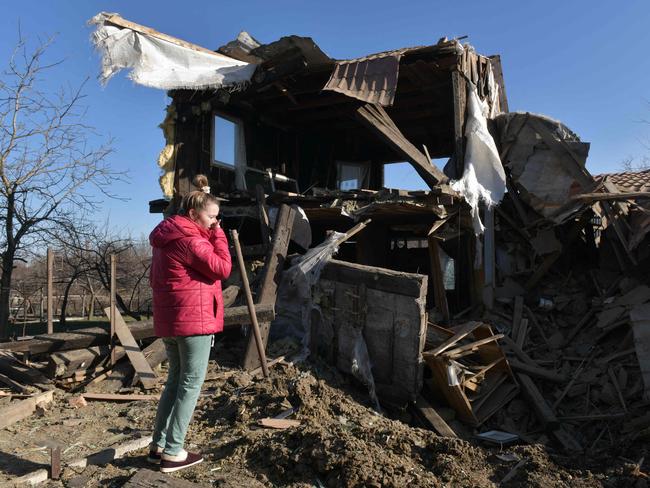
(174, 228)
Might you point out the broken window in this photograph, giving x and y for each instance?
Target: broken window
(229, 148)
(224, 141)
(352, 175)
(403, 175)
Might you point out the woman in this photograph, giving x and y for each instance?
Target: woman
(190, 258)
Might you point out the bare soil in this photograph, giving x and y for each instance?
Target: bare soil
(341, 440)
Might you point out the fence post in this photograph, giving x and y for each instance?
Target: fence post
(50, 272)
(113, 292)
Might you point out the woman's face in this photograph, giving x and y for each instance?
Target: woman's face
(206, 218)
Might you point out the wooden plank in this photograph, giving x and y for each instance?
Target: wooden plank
(50, 288)
(463, 332)
(375, 118)
(497, 70)
(55, 462)
(16, 411)
(516, 316)
(15, 385)
(270, 280)
(542, 409)
(262, 215)
(569, 442)
(230, 295)
(512, 345)
(433, 418)
(596, 197)
(146, 375)
(459, 90)
(119, 21)
(22, 373)
(640, 317)
(452, 393)
(274, 262)
(97, 336)
(439, 292)
(522, 333)
(578, 327)
(98, 458)
(279, 423)
(155, 354)
(112, 453)
(64, 363)
(472, 346)
(145, 478)
(533, 320)
(538, 372)
(386, 280)
(489, 259)
(117, 397)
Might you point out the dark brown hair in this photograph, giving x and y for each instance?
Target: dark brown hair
(198, 199)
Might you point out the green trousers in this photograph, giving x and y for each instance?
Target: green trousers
(188, 363)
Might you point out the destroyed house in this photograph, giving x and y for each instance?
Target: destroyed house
(504, 316)
(319, 132)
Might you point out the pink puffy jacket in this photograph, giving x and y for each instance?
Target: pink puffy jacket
(187, 267)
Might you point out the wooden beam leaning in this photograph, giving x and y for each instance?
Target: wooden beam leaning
(261, 346)
(375, 118)
(270, 281)
(146, 375)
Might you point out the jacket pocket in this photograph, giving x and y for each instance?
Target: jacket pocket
(214, 306)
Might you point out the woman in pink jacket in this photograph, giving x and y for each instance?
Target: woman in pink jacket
(190, 258)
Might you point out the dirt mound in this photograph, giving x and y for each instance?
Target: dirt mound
(340, 442)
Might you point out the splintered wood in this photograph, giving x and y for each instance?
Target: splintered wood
(470, 369)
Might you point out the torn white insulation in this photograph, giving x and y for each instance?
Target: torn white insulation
(294, 306)
(157, 61)
(483, 180)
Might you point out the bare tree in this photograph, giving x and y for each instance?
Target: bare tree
(86, 248)
(632, 164)
(47, 167)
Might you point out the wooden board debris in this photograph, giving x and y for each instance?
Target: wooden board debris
(433, 418)
(22, 409)
(22, 373)
(536, 400)
(146, 375)
(270, 280)
(640, 317)
(117, 397)
(233, 318)
(278, 423)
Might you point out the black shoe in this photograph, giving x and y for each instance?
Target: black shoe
(154, 457)
(168, 466)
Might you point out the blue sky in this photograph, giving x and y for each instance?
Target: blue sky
(583, 62)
